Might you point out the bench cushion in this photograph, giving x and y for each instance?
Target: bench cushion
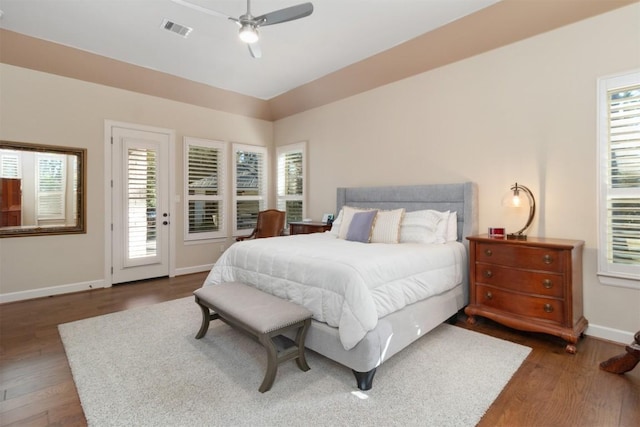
(261, 311)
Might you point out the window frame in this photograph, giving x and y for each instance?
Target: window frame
(262, 198)
(609, 273)
(222, 188)
(281, 199)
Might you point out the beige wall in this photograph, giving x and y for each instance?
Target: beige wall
(524, 113)
(44, 108)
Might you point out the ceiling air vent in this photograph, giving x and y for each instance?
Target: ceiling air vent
(176, 28)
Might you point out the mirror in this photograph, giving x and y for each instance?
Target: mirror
(42, 189)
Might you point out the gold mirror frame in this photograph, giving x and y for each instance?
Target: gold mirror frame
(79, 225)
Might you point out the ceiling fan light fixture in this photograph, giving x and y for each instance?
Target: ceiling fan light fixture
(249, 24)
(248, 33)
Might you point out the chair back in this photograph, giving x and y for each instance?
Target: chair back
(270, 223)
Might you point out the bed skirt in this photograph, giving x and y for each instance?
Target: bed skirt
(393, 332)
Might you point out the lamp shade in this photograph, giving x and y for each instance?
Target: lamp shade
(515, 199)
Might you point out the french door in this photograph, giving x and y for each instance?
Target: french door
(140, 204)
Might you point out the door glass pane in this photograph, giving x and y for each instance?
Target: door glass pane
(51, 179)
(141, 203)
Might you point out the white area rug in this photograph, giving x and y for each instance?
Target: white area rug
(143, 367)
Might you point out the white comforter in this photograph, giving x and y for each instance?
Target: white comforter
(348, 285)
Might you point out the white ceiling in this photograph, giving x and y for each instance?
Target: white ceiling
(338, 33)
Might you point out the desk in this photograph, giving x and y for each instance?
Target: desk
(302, 227)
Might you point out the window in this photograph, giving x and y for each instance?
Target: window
(51, 176)
(291, 180)
(250, 186)
(619, 180)
(204, 189)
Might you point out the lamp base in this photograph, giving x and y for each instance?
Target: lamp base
(516, 236)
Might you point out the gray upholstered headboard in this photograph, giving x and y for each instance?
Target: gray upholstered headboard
(462, 198)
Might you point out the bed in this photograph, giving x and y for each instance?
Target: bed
(369, 300)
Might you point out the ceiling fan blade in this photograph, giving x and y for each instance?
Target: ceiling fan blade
(284, 15)
(254, 50)
(202, 9)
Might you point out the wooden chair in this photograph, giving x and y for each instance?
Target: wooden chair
(624, 362)
(270, 224)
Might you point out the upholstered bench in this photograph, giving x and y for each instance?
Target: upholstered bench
(262, 315)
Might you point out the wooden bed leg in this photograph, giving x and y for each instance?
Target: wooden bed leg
(364, 379)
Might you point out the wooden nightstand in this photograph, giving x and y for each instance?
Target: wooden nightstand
(302, 227)
(532, 285)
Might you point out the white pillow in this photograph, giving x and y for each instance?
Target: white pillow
(443, 225)
(426, 226)
(347, 216)
(335, 225)
(386, 228)
(452, 227)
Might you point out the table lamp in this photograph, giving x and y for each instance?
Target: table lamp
(514, 199)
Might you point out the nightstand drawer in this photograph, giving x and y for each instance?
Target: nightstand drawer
(520, 256)
(524, 305)
(547, 284)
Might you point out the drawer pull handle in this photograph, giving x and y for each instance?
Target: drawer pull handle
(488, 274)
(489, 295)
(488, 252)
(548, 308)
(547, 259)
(548, 284)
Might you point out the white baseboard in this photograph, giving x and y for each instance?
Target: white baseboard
(52, 290)
(83, 286)
(194, 269)
(610, 334)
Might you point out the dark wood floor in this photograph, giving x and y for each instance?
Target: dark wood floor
(552, 388)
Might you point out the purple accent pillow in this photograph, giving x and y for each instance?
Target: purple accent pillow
(361, 225)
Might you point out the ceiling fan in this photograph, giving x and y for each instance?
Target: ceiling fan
(249, 24)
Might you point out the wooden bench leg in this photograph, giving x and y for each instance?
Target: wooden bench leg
(274, 358)
(272, 362)
(301, 360)
(207, 317)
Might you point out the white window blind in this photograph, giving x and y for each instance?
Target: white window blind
(51, 183)
(619, 204)
(205, 189)
(9, 164)
(291, 180)
(250, 186)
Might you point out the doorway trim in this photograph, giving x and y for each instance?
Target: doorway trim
(108, 182)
